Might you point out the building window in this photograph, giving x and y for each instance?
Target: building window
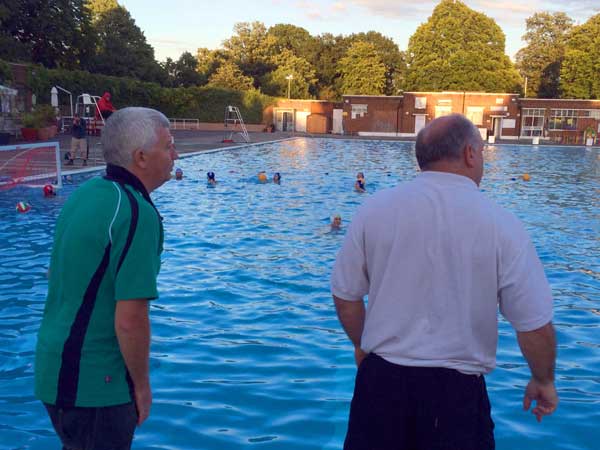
(443, 111)
(475, 114)
(420, 102)
(358, 110)
(532, 123)
(563, 119)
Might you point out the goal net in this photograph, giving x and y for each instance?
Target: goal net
(30, 165)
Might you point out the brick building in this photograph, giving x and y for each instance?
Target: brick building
(503, 116)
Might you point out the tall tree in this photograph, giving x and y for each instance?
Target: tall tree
(99, 7)
(184, 71)
(391, 56)
(123, 50)
(540, 61)
(210, 60)
(580, 73)
(459, 49)
(288, 64)
(282, 37)
(55, 33)
(362, 70)
(331, 49)
(249, 49)
(229, 76)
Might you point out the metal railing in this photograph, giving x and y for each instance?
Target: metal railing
(184, 124)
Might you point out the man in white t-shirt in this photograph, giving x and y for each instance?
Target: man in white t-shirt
(437, 259)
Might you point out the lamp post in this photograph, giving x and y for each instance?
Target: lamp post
(290, 77)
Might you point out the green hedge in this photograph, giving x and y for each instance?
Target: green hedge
(203, 102)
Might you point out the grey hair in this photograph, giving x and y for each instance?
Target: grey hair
(445, 141)
(130, 129)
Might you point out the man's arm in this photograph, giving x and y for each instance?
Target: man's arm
(352, 317)
(539, 349)
(132, 327)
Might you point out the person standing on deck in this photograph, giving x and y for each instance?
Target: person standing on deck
(436, 265)
(92, 354)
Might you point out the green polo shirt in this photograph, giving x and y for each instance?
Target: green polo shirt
(107, 246)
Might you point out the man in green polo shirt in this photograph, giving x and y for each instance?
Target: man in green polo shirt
(91, 364)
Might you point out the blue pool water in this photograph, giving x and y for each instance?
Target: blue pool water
(247, 351)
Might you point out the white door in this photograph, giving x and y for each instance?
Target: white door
(301, 120)
(419, 122)
(338, 121)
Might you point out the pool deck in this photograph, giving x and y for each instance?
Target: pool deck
(193, 141)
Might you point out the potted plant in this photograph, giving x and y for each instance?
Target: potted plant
(47, 122)
(30, 126)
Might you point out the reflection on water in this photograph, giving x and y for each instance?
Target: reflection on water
(247, 350)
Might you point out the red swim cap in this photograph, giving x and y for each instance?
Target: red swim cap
(49, 190)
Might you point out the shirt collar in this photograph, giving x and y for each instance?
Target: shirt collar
(447, 178)
(124, 176)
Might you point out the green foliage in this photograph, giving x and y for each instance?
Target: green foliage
(249, 49)
(184, 71)
(229, 76)
(540, 61)
(459, 49)
(303, 76)
(42, 116)
(580, 73)
(362, 70)
(206, 103)
(6, 75)
(123, 50)
(99, 7)
(330, 50)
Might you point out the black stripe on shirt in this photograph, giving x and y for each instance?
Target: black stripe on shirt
(68, 377)
(132, 225)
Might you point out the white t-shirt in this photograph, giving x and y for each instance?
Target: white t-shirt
(436, 258)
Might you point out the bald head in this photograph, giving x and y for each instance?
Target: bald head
(444, 139)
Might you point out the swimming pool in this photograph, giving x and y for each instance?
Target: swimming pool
(247, 351)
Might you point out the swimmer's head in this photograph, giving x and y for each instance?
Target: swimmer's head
(336, 222)
(262, 176)
(210, 176)
(360, 175)
(178, 174)
(276, 177)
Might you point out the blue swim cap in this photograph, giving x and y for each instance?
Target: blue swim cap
(178, 170)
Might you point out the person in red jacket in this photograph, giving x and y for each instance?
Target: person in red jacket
(105, 106)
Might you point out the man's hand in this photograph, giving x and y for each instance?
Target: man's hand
(545, 396)
(359, 355)
(143, 402)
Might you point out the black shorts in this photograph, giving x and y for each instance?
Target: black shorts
(106, 428)
(418, 408)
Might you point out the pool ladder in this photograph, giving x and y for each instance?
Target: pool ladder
(234, 117)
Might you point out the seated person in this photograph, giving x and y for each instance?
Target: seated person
(178, 174)
(277, 178)
(336, 223)
(210, 178)
(360, 185)
(105, 106)
(262, 176)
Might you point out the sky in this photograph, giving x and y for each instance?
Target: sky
(175, 26)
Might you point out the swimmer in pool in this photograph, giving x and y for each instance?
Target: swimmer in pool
(336, 223)
(178, 174)
(210, 178)
(276, 178)
(262, 176)
(360, 185)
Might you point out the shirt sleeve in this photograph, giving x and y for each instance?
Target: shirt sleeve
(524, 293)
(137, 275)
(349, 279)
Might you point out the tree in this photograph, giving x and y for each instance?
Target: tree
(229, 76)
(210, 60)
(99, 7)
(362, 70)
(123, 50)
(249, 49)
(303, 76)
(391, 56)
(55, 35)
(330, 50)
(459, 49)
(580, 73)
(282, 37)
(540, 61)
(184, 71)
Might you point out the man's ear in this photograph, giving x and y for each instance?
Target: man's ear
(139, 158)
(469, 156)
